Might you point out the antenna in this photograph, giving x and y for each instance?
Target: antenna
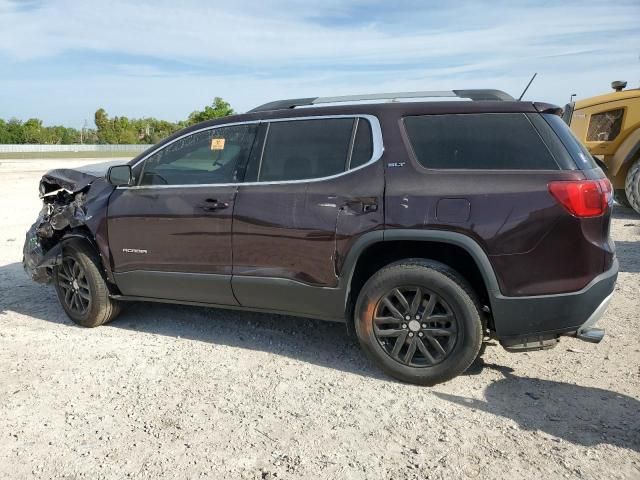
(527, 87)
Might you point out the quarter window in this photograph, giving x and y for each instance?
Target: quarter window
(306, 149)
(218, 155)
(578, 152)
(500, 141)
(362, 145)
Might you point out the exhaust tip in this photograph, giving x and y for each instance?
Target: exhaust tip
(591, 335)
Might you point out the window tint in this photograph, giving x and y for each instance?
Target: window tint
(504, 141)
(305, 149)
(362, 145)
(211, 156)
(584, 160)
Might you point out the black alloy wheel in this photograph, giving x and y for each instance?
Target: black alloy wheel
(415, 326)
(72, 280)
(419, 321)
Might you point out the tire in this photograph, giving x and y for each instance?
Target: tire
(620, 196)
(632, 186)
(448, 313)
(481, 350)
(86, 301)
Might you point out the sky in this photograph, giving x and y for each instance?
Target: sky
(60, 60)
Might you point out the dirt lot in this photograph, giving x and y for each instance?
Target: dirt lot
(181, 392)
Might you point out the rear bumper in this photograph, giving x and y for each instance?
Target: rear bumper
(553, 315)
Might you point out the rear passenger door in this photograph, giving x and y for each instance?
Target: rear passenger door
(313, 176)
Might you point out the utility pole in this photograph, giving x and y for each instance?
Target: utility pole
(84, 126)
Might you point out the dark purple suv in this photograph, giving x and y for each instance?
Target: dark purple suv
(428, 227)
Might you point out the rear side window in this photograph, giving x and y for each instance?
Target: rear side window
(489, 141)
(581, 156)
(306, 149)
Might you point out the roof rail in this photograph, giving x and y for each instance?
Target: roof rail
(476, 95)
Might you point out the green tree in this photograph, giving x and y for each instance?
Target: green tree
(116, 130)
(15, 132)
(219, 108)
(32, 131)
(5, 134)
(104, 130)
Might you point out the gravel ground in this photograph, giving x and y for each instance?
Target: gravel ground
(180, 392)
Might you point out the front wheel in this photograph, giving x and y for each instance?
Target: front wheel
(81, 288)
(419, 321)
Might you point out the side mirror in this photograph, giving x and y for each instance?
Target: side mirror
(120, 175)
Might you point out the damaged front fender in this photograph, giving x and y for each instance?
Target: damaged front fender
(73, 201)
(36, 262)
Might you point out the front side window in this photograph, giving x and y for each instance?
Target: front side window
(217, 155)
(488, 141)
(306, 149)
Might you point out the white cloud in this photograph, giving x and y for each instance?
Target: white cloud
(254, 35)
(289, 49)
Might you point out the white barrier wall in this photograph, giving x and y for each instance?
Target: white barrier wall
(26, 148)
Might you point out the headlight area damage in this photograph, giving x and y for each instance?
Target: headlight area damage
(74, 204)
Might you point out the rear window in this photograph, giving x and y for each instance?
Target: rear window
(581, 156)
(491, 141)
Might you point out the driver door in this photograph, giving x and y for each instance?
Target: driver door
(170, 235)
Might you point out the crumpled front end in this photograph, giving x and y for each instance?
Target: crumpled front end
(73, 201)
(60, 212)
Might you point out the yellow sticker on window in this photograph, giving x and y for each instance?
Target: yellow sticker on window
(217, 144)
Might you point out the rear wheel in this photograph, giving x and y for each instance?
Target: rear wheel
(632, 186)
(620, 196)
(81, 288)
(419, 321)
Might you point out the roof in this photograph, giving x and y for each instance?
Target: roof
(382, 110)
(390, 111)
(475, 95)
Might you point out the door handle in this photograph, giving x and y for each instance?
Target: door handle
(369, 207)
(362, 205)
(211, 205)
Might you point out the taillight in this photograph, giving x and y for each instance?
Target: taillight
(583, 198)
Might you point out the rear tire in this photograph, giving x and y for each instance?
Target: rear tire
(620, 196)
(632, 186)
(419, 321)
(81, 288)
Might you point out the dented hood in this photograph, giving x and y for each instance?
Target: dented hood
(75, 179)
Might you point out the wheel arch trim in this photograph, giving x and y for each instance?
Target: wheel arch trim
(465, 242)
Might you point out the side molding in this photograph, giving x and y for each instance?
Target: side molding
(178, 286)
